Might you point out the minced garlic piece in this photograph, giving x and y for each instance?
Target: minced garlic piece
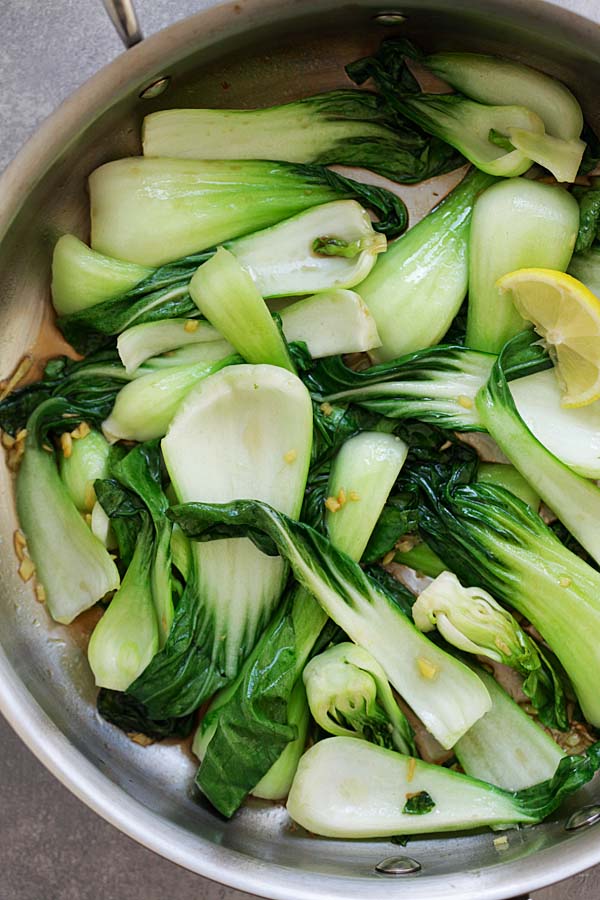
(564, 581)
(191, 325)
(81, 431)
(66, 442)
(40, 593)
(20, 545)
(410, 770)
(290, 456)
(501, 843)
(332, 504)
(465, 402)
(326, 408)
(341, 497)
(26, 569)
(388, 558)
(427, 669)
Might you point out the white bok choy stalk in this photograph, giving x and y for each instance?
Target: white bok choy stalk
(331, 324)
(348, 694)
(516, 224)
(506, 747)
(245, 431)
(145, 407)
(346, 788)
(416, 288)
(142, 342)
(154, 211)
(71, 564)
(445, 694)
(572, 435)
(228, 297)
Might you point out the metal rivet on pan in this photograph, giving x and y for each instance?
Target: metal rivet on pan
(389, 18)
(156, 88)
(588, 815)
(398, 865)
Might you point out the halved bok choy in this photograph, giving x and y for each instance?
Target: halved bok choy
(416, 288)
(341, 127)
(245, 431)
(72, 566)
(443, 692)
(503, 134)
(343, 788)
(472, 621)
(153, 211)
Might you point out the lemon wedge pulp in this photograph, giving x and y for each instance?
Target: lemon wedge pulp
(567, 316)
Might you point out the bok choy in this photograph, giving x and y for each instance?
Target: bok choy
(230, 300)
(72, 566)
(251, 427)
(417, 287)
(348, 694)
(492, 540)
(342, 789)
(443, 692)
(144, 408)
(575, 500)
(471, 620)
(343, 127)
(152, 211)
(254, 711)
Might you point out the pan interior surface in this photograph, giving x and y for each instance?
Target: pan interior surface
(244, 55)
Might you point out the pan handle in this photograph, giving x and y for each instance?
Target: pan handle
(123, 16)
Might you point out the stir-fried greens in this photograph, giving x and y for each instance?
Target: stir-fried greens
(300, 466)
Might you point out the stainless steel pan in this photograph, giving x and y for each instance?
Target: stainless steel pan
(251, 52)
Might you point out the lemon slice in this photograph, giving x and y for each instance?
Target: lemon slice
(567, 316)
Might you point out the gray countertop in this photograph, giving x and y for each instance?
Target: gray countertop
(53, 847)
